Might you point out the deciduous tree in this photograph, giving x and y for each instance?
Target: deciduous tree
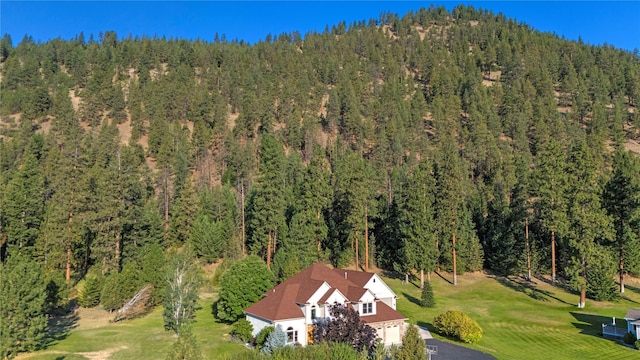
(242, 284)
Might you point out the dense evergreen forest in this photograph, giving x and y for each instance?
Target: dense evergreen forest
(453, 141)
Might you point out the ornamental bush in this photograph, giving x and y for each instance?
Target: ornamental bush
(242, 330)
(277, 339)
(457, 324)
(470, 331)
(262, 336)
(637, 344)
(629, 338)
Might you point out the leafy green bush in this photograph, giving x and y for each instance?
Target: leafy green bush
(455, 323)
(447, 323)
(242, 330)
(244, 283)
(629, 338)
(470, 331)
(637, 344)
(262, 336)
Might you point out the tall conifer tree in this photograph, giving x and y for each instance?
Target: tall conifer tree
(621, 198)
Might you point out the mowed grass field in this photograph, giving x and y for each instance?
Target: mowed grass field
(520, 321)
(524, 320)
(95, 338)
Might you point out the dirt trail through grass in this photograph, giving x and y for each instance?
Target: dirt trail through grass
(93, 355)
(102, 354)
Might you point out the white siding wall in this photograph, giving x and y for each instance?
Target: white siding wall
(296, 324)
(381, 291)
(319, 293)
(336, 296)
(258, 323)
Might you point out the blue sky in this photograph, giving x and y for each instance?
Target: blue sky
(616, 23)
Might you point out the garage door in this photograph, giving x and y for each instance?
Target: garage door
(393, 335)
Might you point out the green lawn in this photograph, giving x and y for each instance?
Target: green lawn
(521, 321)
(143, 338)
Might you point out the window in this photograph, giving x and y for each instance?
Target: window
(313, 312)
(367, 308)
(292, 335)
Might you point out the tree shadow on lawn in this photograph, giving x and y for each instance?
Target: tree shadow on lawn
(528, 288)
(426, 325)
(635, 289)
(60, 327)
(626, 298)
(443, 278)
(412, 298)
(590, 324)
(392, 274)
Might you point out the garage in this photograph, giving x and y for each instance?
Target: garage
(392, 333)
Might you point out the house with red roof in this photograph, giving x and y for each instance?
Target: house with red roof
(303, 300)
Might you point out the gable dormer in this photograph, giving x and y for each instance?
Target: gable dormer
(366, 304)
(381, 291)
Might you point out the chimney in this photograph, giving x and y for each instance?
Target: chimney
(345, 274)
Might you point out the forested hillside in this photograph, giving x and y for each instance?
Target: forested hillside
(444, 140)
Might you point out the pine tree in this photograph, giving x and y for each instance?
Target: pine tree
(183, 217)
(89, 295)
(276, 340)
(314, 200)
(206, 239)
(354, 188)
(450, 196)
(186, 346)
(551, 190)
(426, 298)
(151, 260)
(66, 161)
(110, 294)
(22, 305)
(417, 222)
(588, 220)
(413, 346)
(621, 198)
(267, 203)
(23, 205)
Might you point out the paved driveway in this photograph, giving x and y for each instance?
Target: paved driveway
(449, 351)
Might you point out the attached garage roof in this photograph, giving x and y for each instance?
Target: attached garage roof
(383, 313)
(633, 314)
